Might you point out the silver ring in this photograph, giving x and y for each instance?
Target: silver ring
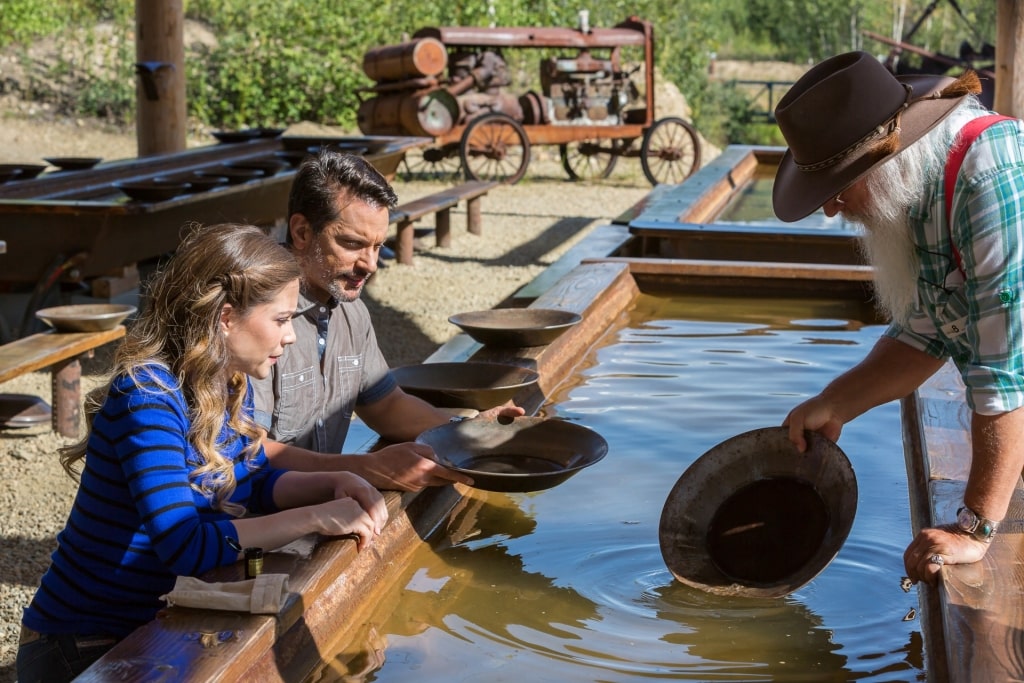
(936, 559)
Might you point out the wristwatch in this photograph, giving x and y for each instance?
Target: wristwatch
(976, 526)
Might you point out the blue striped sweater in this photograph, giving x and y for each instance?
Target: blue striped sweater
(136, 523)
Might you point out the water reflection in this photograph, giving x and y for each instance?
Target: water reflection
(569, 584)
(752, 204)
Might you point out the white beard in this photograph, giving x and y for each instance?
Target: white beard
(887, 245)
(888, 248)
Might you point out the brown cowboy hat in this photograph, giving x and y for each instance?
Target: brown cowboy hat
(847, 115)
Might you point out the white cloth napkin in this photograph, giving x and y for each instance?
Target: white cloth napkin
(263, 595)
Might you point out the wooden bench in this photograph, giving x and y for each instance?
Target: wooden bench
(61, 353)
(439, 203)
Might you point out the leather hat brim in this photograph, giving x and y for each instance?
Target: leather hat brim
(796, 194)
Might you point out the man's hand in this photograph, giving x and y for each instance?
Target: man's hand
(814, 415)
(507, 410)
(933, 548)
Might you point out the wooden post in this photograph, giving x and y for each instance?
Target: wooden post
(66, 392)
(1009, 98)
(160, 76)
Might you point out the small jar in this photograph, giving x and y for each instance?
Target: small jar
(253, 562)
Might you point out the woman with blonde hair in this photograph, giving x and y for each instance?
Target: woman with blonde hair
(173, 463)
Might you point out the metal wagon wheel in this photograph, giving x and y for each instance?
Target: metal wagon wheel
(589, 159)
(670, 152)
(432, 163)
(495, 147)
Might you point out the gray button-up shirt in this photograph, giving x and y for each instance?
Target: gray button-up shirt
(309, 402)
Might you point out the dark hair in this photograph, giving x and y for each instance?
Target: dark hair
(326, 174)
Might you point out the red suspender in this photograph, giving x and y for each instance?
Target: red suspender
(964, 138)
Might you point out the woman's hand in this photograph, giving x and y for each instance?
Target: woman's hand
(370, 500)
(345, 516)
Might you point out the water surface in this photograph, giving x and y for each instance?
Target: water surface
(569, 584)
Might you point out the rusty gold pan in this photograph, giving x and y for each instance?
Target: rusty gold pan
(754, 517)
(515, 327)
(524, 454)
(464, 385)
(85, 317)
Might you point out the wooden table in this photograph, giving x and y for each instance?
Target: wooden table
(82, 215)
(59, 351)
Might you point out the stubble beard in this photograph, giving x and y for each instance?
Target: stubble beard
(333, 281)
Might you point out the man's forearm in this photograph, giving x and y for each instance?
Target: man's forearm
(286, 457)
(890, 371)
(997, 457)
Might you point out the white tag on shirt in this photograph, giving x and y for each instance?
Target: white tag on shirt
(955, 328)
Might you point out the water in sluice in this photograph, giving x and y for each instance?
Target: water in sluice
(752, 204)
(569, 584)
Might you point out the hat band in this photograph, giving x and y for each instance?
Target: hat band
(886, 128)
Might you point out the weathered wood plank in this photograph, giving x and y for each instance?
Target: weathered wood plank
(330, 591)
(973, 621)
(601, 241)
(42, 350)
(600, 292)
(982, 602)
(742, 269)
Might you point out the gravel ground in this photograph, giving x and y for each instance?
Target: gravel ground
(526, 227)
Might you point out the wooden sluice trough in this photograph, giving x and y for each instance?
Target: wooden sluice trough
(971, 625)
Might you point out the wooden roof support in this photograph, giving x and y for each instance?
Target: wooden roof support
(160, 76)
(1009, 99)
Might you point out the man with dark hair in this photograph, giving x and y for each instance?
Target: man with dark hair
(337, 224)
(938, 184)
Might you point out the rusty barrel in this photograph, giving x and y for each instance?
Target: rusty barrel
(420, 57)
(424, 113)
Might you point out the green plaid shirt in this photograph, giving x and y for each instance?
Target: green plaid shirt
(976, 316)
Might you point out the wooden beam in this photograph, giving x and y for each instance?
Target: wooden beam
(160, 76)
(1009, 97)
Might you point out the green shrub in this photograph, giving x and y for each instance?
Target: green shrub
(277, 62)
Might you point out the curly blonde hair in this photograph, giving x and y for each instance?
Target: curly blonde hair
(179, 329)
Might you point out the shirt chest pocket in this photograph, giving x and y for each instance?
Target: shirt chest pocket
(349, 374)
(297, 388)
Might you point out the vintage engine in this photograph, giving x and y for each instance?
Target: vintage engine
(585, 90)
(412, 97)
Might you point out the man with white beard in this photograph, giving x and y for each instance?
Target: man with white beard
(938, 183)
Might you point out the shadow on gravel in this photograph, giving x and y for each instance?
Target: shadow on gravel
(402, 341)
(560, 231)
(27, 559)
(399, 337)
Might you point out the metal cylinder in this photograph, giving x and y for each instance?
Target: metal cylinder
(427, 114)
(421, 57)
(253, 562)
